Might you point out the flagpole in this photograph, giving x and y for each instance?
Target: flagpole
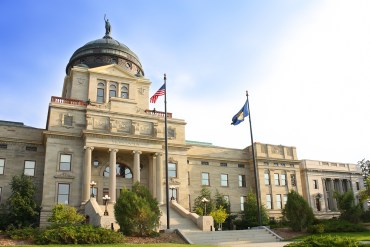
(166, 151)
(255, 167)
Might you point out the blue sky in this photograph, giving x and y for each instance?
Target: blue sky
(306, 65)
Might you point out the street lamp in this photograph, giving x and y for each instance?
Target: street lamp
(92, 185)
(204, 200)
(172, 188)
(105, 200)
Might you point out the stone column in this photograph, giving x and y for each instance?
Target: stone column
(334, 202)
(87, 174)
(340, 185)
(272, 188)
(152, 176)
(136, 175)
(159, 179)
(324, 189)
(112, 175)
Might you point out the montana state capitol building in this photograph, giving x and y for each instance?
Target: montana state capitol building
(101, 129)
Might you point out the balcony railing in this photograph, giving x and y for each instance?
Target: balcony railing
(68, 101)
(158, 113)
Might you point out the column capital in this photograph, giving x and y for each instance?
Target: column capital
(88, 147)
(158, 154)
(114, 150)
(137, 152)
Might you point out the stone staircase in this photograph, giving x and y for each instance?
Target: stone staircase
(262, 237)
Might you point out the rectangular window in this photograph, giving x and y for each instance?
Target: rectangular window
(224, 180)
(63, 194)
(267, 179)
(241, 165)
(276, 164)
(278, 201)
(285, 199)
(172, 170)
(268, 201)
(243, 199)
(65, 162)
(188, 178)
(242, 181)
(100, 95)
(3, 146)
(292, 179)
(357, 185)
(205, 163)
(173, 194)
(29, 168)
(315, 184)
(105, 192)
(171, 133)
(276, 179)
(223, 164)
(67, 120)
(31, 148)
(94, 191)
(205, 178)
(283, 179)
(2, 166)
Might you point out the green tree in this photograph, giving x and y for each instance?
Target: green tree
(137, 212)
(199, 205)
(21, 210)
(365, 167)
(297, 212)
(250, 214)
(65, 215)
(348, 209)
(219, 216)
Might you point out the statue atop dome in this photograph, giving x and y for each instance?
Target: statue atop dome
(107, 27)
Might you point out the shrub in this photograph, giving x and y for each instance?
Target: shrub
(342, 226)
(327, 241)
(348, 209)
(366, 216)
(297, 212)
(65, 215)
(250, 215)
(137, 212)
(26, 233)
(79, 234)
(319, 228)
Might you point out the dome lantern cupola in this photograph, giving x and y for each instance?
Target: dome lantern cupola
(106, 51)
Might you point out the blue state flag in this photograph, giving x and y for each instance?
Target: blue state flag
(239, 117)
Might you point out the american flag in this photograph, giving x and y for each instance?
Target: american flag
(160, 92)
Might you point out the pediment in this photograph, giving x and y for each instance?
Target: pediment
(113, 70)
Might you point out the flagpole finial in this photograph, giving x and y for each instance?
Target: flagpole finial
(246, 93)
(165, 77)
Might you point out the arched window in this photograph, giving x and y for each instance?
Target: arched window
(124, 91)
(122, 171)
(112, 90)
(100, 93)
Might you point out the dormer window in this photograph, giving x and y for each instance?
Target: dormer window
(100, 93)
(112, 91)
(124, 91)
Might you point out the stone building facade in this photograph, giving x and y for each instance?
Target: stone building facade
(101, 129)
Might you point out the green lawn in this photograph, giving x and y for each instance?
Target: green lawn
(121, 245)
(359, 236)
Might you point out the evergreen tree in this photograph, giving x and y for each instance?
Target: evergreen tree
(250, 214)
(346, 205)
(21, 210)
(297, 212)
(199, 205)
(137, 212)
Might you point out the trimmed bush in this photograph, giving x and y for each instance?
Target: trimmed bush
(27, 233)
(327, 241)
(319, 228)
(342, 226)
(80, 234)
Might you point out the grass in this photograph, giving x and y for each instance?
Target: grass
(121, 245)
(359, 236)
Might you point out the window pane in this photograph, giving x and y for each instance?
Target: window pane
(172, 170)
(224, 180)
(65, 162)
(65, 158)
(29, 168)
(241, 180)
(268, 201)
(124, 92)
(63, 193)
(205, 178)
(100, 95)
(112, 91)
(2, 165)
